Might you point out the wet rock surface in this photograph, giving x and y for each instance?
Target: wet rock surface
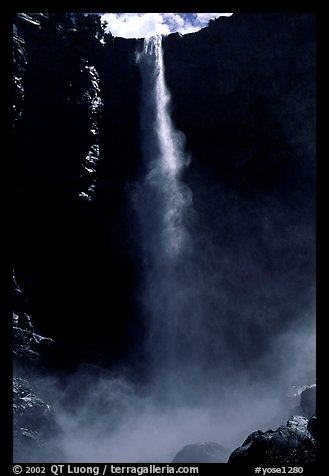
(289, 444)
(311, 426)
(308, 401)
(34, 426)
(29, 348)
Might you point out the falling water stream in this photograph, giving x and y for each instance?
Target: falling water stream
(164, 212)
(163, 150)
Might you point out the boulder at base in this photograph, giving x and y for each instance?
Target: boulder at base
(204, 452)
(308, 401)
(289, 444)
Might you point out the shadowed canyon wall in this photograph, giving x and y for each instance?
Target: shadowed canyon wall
(243, 94)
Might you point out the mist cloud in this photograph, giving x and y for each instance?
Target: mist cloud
(113, 420)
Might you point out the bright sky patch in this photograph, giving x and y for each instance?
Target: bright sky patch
(141, 25)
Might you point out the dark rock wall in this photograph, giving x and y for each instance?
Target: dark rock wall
(248, 110)
(68, 251)
(243, 94)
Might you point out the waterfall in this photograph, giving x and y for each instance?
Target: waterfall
(164, 209)
(163, 152)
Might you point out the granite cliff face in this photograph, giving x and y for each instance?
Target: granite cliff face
(243, 94)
